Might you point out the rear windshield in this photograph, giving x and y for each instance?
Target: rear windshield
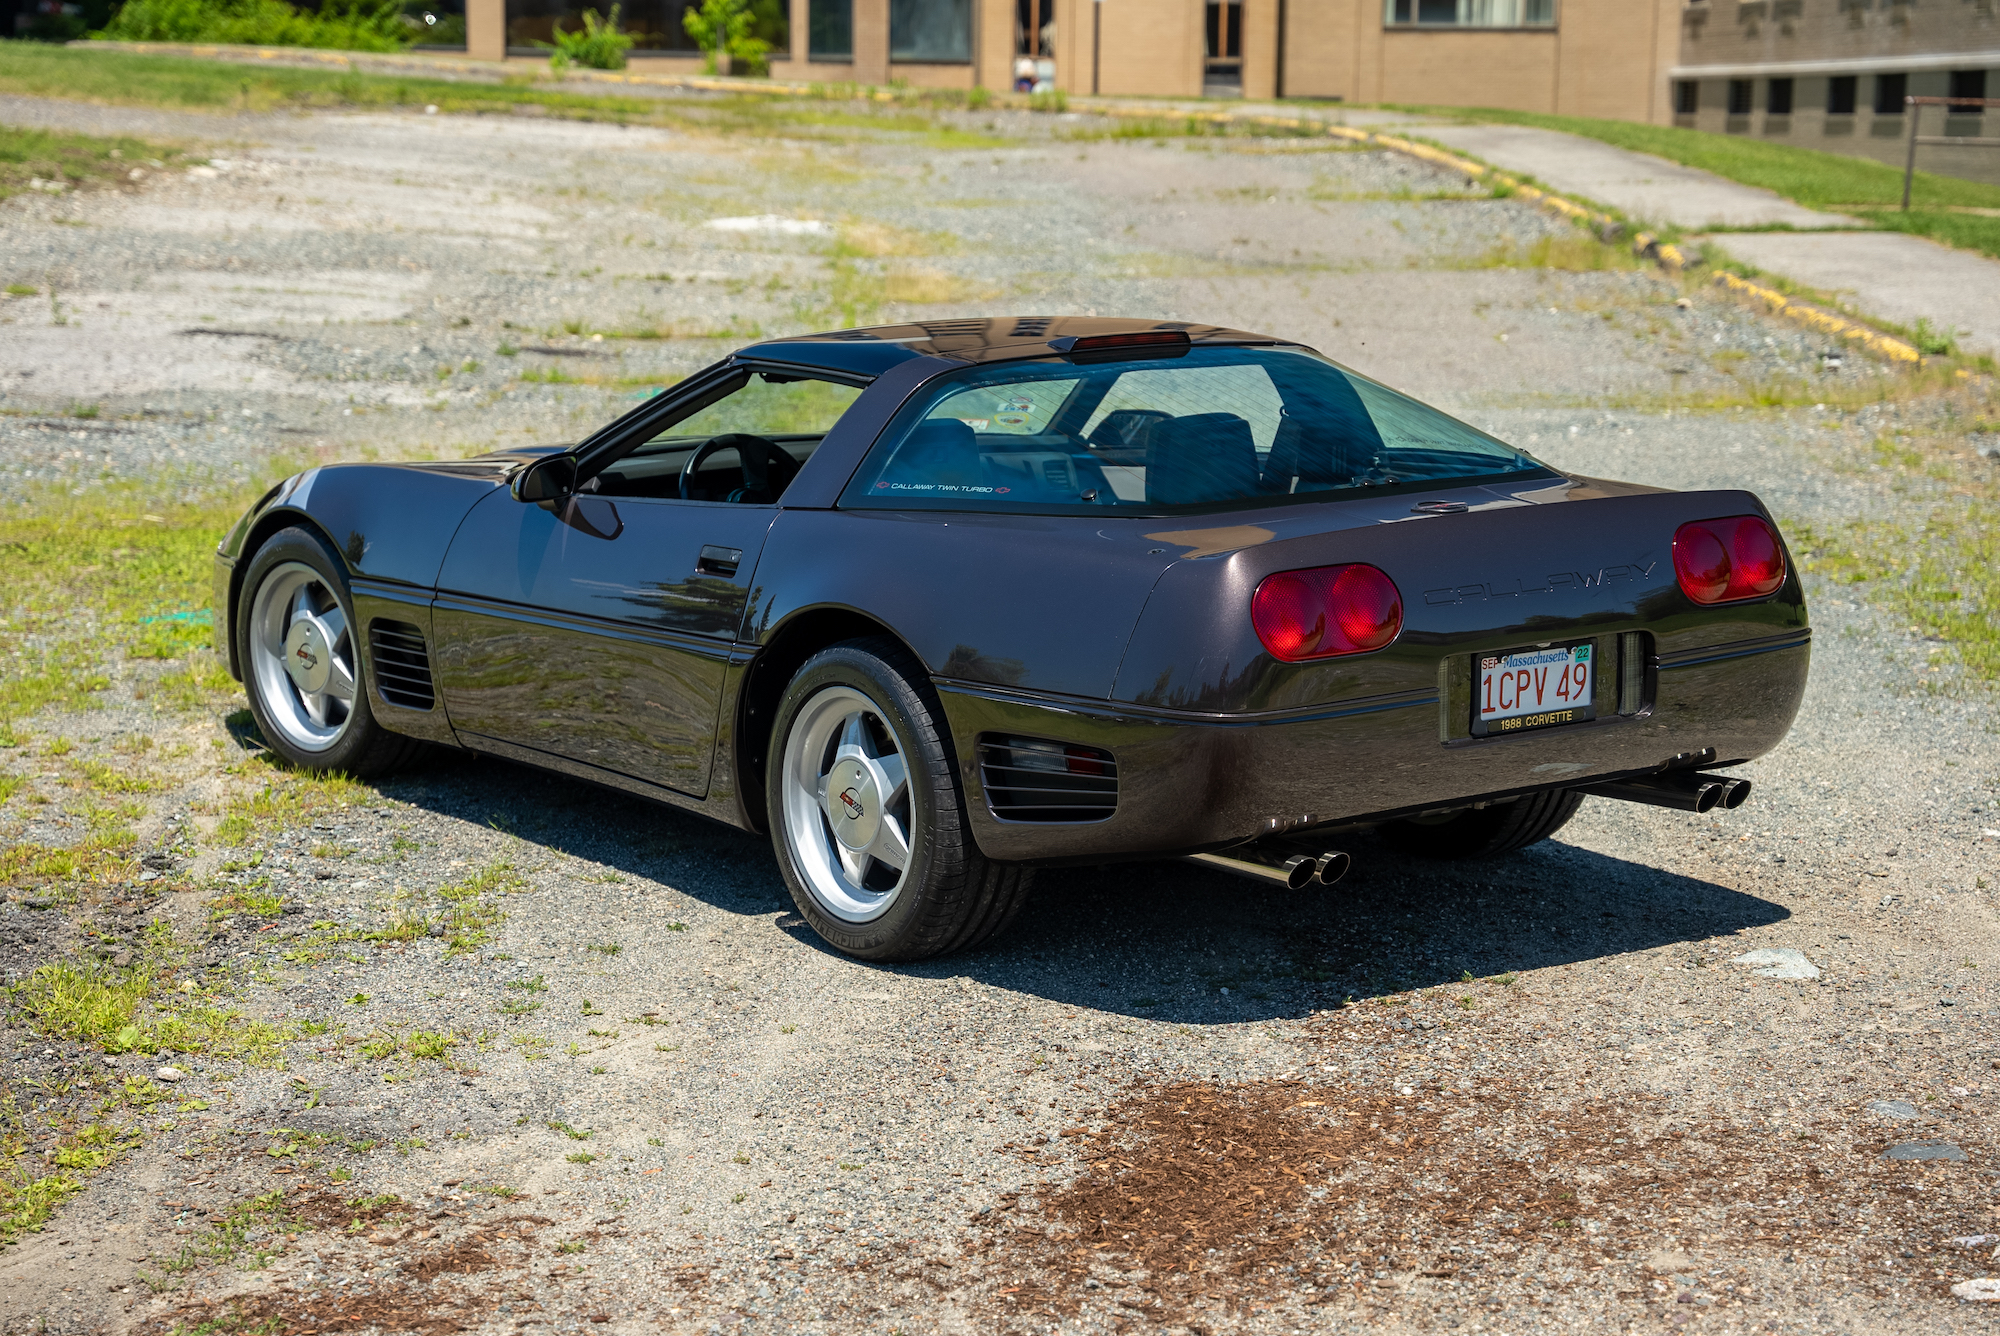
(1215, 428)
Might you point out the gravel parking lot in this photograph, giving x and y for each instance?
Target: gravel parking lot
(555, 1060)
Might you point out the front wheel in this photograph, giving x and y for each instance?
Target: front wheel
(298, 645)
(1485, 832)
(867, 817)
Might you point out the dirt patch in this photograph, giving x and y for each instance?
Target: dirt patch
(1221, 1196)
(330, 1210)
(429, 1308)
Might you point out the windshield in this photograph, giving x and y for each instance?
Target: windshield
(1213, 428)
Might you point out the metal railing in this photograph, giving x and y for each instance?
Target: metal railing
(1914, 107)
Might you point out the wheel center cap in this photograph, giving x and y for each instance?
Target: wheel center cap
(853, 805)
(308, 658)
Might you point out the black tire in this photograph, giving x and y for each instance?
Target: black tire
(1486, 832)
(356, 744)
(947, 896)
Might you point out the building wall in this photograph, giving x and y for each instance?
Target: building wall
(1603, 58)
(1152, 48)
(1813, 41)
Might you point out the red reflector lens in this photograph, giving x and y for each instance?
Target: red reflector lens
(1721, 561)
(1084, 761)
(1325, 612)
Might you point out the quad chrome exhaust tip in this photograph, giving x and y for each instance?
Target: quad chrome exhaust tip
(1685, 791)
(1279, 867)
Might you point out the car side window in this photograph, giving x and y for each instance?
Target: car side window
(746, 446)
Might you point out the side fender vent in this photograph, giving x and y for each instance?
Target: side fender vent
(402, 665)
(1032, 779)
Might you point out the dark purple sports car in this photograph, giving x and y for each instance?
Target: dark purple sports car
(937, 604)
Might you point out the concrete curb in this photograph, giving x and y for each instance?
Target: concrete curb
(1894, 349)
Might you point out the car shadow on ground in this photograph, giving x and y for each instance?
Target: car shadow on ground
(1166, 941)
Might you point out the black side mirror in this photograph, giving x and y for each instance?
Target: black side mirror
(548, 479)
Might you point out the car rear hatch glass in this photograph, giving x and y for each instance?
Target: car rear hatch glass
(1197, 431)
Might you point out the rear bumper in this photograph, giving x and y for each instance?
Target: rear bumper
(1192, 782)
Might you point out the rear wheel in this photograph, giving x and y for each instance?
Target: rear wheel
(867, 817)
(1485, 832)
(301, 667)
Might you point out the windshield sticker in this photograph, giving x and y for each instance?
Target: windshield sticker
(942, 488)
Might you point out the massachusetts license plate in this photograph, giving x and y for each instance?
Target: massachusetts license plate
(1533, 688)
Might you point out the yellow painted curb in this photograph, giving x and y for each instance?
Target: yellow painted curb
(1824, 321)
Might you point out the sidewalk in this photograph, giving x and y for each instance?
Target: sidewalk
(1888, 275)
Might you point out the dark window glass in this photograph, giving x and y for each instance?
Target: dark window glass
(930, 30)
(1224, 32)
(1778, 97)
(1217, 428)
(654, 25)
(1840, 95)
(1402, 12)
(1967, 83)
(1739, 97)
(830, 29)
(1437, 11)
(1889, 90)
(437, 23)
(1687, 97)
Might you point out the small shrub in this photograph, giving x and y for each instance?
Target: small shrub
(599, 46)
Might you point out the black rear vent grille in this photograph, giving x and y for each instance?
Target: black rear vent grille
(1031, 779)
(402, 665)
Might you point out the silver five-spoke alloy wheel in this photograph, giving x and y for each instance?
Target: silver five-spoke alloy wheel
(302, 656)
(846, 791)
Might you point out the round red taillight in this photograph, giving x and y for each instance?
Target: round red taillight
(1723, 560)
(1326, 611)
(1757, 563)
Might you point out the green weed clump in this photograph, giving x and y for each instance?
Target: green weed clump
(598, 45)
(123, 1011)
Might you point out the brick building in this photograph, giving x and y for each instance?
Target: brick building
(1824, 73)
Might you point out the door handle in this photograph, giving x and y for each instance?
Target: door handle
(721, 561)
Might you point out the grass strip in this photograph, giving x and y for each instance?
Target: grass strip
(124, 78)
(1859, 187)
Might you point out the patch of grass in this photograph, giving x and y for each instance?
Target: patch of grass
(1572, 252)
(579, 1157)
(126, 1010)
(573, 1133)
(67, 161)
(605, 948)
(27, 1202)
(94, 578)
(1943, 578)
(287, 799)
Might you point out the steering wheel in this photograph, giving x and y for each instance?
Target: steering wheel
(767, 469)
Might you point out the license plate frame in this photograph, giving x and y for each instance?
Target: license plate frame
(1542, 715)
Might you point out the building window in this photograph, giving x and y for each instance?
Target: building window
(1035, 28)
(1224, 34)
(1778, 97)
(653, 25)
(930, 31)
(1468, 13)
(830, 29)
(1889, 90)
(1739, 97)
(1967, 83)
(1840, 95)
(1687, 97)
